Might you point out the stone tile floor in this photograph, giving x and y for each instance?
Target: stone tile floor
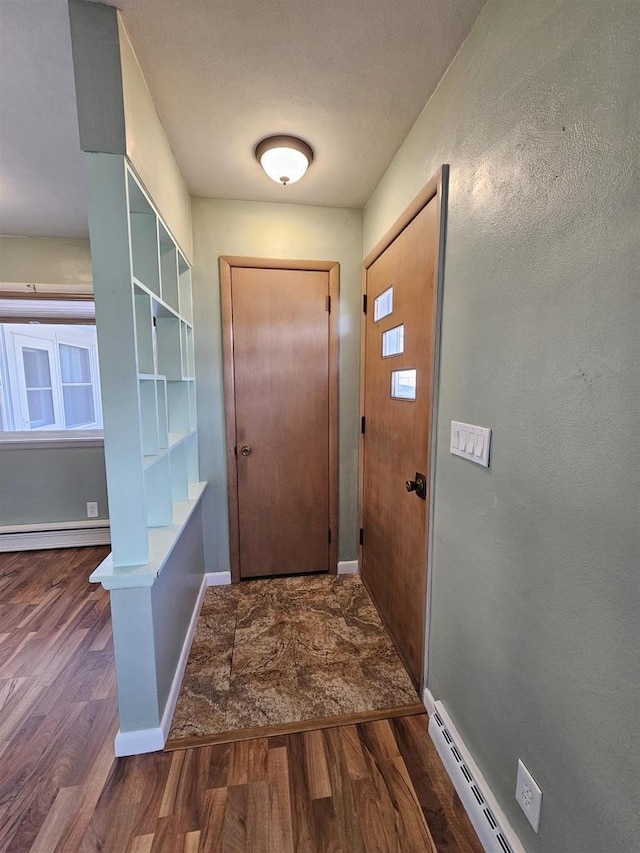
(280, 652)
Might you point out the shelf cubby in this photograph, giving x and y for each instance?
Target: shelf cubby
(191, 361)
(184, 366)
(149, 417)
(157, 481)
(192, 405)
(178, 406)
(184, 289)
(169, 347)
(143, 226)
(168, 269)
(186, 345)
(191, 445)
(144, 331)
(163, 416)
(179, 473)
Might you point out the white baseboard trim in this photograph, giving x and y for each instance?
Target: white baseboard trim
(348, 567)
(138, 742)
(152, 740)
(489, 821)
(63, 534)
(428, 701)
(218, 578)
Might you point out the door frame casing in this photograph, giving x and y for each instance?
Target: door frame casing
(227, 263)
(437, 187)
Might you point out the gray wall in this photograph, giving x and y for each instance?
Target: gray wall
(534, 633)
(259, 229)
(49, 484)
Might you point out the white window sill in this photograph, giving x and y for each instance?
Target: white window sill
(58, 439)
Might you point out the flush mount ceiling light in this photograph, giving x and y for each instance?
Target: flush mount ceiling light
(285, 159)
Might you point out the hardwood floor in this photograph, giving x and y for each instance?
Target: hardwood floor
(374, 787)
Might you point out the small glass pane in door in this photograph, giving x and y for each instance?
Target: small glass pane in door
(403, 384)
(393, 341)
(383, 305)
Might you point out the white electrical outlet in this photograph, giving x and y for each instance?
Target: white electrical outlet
(92, 509)
(529, 795)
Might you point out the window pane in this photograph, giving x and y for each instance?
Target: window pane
(383, 305)
(393, 341)
(47, 358)
(74, 364)
(36, 368)
(78, 405)
(403, 384)
(40, 408)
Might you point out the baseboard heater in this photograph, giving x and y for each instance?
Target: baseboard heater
(54, 534)
(489, 822)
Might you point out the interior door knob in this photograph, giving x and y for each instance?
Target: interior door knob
(419, 486)
(245, 450)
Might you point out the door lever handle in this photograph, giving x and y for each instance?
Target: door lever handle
(419, 486)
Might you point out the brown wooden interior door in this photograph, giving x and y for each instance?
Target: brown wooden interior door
(397, 437)
(281, 377)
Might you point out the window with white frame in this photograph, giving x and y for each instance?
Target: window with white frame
(49, 377)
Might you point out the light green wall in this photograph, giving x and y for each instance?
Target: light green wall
(44, 260)
(260, 229)
(149, 150)
(534, 631)
(116, 113)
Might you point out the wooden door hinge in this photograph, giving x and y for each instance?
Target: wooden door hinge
(363, 424)
(329, 304)
(364, 303)
(329, 537)
(362, 535)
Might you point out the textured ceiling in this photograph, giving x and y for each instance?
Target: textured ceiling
(349, 77)
(42, 179)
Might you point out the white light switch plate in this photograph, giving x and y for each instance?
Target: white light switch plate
(471, 442)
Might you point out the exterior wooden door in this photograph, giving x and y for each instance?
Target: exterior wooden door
(400, 328)
(282, 441)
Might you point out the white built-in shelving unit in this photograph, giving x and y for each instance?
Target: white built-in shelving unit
(150, 503)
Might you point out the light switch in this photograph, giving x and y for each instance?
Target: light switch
(471, 442)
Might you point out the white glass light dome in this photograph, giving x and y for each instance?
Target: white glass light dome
(285, 159)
